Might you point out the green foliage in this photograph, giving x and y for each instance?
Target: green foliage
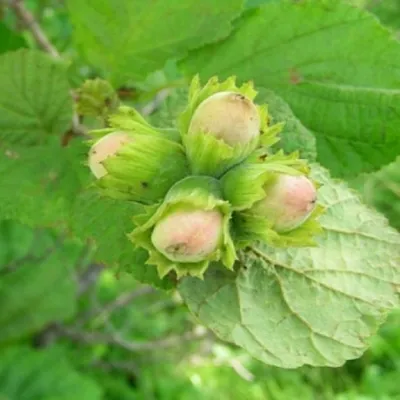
(382, 190)
(107, 222)
(275, 307)
(129, 39)
(387, 11)
(255, 3)
(27, 282)
(328, 69)
(168, 112)
(322, 58)
(26, 374)
(294, 136)
(39, 184)
(9, 40)
(34, 99)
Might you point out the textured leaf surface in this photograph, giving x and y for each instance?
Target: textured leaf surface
(131, 38)
(316, 306)
(294, 136)
(323, 58)
(39, 184)
(382, 190)
(34, 98)
(27, 374)
(27, 296)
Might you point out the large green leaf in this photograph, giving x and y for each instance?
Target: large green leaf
(10, 40)
(37, 288)
(130, 38)
(382, 190)
(34, 97)
(316, 306)
(335, 66)
(27, 374)
(39, 184)
(294, 136)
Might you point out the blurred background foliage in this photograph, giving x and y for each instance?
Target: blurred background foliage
(72, 329)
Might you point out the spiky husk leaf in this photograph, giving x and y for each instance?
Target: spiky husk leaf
(244, 184)
(144, 170)
(129, 119)
(248, 227)
(208, 155)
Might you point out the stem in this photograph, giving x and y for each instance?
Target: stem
(29, 21)
(121, 301)
(128, 366)
(86, 337)
(89, 277)
(27, 18)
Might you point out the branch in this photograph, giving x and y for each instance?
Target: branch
(27, 18)
(125, 366)
(153, 105)
(241, 370)
(121, 301)
(89, 277)
(29, 21)
(31, 258)
(86, 337)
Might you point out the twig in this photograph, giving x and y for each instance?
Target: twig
(115, 340)
(31, 258)
(121, 301)
(161, 306)
(30, 22)
(149, 108)
(241, 370)
(126, 366)
(47, 336)
(88, 278)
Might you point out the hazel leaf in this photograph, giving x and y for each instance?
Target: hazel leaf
(315, 305)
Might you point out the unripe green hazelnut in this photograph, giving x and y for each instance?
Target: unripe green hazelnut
(105, 147)
(289, 201)
(188, 236)
(229, 116)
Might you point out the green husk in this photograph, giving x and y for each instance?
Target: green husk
(129, 119)
(96, 98)
(144, 169)
(197, 192)
(209, 155)
(244, 184)
(249, 227)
